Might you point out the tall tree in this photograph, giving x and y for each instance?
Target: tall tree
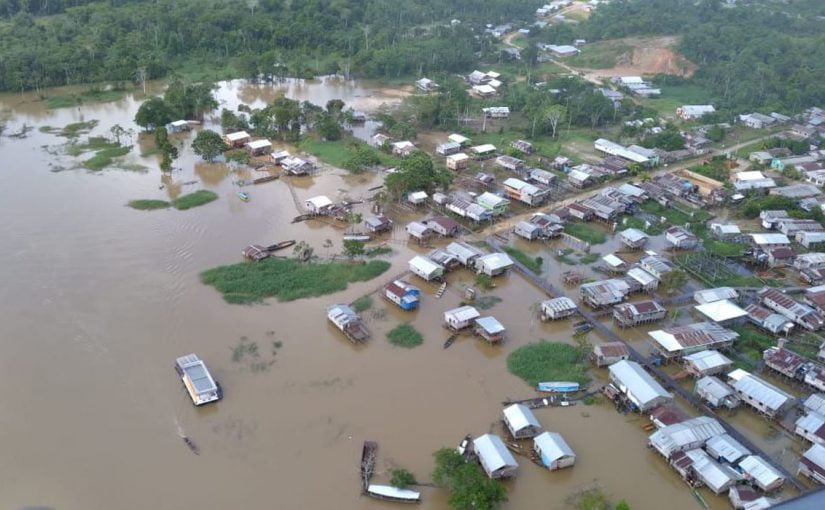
(208, 144)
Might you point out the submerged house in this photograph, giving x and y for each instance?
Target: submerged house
(687, 435)
(495, 204)
(419, 231)
(760, 473)
(406, 296)
(812, 463)
(679, 238)
(553, 451)
(675, 342)
(443, 226)
(521, 422)
(258, 147)
(768, 320)
(319, 205)
(495, 458)
(461, 317)
(605, 292)
(724, 448)
(785, 305)
(237, 139)
(465, 253)
(639, 387)
(296, 166)
(633, 238)
(378, 223)
(697, 465)
(558, 308)
(426, 268)
(708, 362)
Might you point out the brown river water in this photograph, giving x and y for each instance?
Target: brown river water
(98, 300)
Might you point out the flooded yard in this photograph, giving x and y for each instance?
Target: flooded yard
(99, 299)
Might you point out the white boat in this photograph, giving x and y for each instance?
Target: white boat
(390, 493)
(559, 386)
(198, 381)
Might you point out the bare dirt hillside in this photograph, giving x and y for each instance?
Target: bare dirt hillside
(647, 56)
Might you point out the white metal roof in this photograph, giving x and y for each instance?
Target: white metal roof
(463, 250)
(717, 294)
(726, 447)
(707, 360)
(496, 260)
(757, 468)
(458, 157)
(460, 139)
(492, 452)
(640, 275)
(320, 201)
(816, 455)
(633, 234)
(770, 239)
(179, 123)
(480, 149)
(761, 391)
(553, 446)
(417, 195)
(559, 304)
(463, 313)
(519, 416)
(712, 386)
(425, 265)
(695, 335)
(815, 403)
(811, 422)
(391, 492)
(239, 135)
(717, 477)
(726, 228)
(753, 175)
(678, 436)
(615, 149)
(637, 381)
(259, 144)
(403, 145)
(721, 311)
(490, 324)
(484, 89)
(613, 261)
(578, 175)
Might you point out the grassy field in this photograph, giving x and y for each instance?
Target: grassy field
(714, 246)
(674, 96)
(406, 336)
(287, 279)
(93, 143)
(676, 216)
(337, 153)
(105, 157)
(532, 263)
(194, 199)
(586, 232)
(600, 55)
(548, 361)
(149, 205)
(752, 342)
(713, 272)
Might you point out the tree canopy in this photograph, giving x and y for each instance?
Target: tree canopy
(417, 173)
(469, 487)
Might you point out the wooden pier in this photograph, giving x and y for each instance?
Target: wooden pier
(368, 454)
(667, 381)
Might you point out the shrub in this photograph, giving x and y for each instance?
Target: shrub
(405, 336)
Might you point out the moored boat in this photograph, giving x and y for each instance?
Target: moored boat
(261, 180)
(255, 252)
(559, 386)
(281, 245)
(390, 493)
(243, 195)
(197, 380)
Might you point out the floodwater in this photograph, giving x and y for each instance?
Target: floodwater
(98, 300)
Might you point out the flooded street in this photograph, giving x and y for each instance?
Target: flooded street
(99, 299)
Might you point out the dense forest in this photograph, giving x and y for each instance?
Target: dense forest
(761, 54)
(82, 41)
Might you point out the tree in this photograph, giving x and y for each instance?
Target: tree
(673, 280)
(153, 113)
(208, 144)
(716, 133)
(401, 478)
(554, 114)
(335, 106)
(328, 128)
(353, 248)
(362, 157)
(168, 151)
(417, 173)
(622, 505)
(469, 487)
(117, 133)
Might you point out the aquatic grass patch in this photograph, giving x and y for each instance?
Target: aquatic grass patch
(362, 304)
(585, 232)
(105, 157)
(486, 302)
(287, 279)
(548, 361)
(532, 263)
(237, 155)
(588, 258)
(405, 335)
(194, 199)
(149, 204)
(377, 251)
(76, 129)
(93, 143)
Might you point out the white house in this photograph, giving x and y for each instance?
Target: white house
(694, 111)
(554, 451)
(495, 458)
(426, 268)
(521, 422)
(461, 317)
(494, 264)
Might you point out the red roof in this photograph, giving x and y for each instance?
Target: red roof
(668, 415)
(783, 359)
(445, 222)
(614, 349)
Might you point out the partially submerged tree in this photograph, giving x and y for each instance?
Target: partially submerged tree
(468, 485)
(153, 113)
(401, 478)
(353, 248)
(208, 144)
(417, 173)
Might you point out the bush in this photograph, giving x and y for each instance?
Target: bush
(405, 336)
(401, 478)
(484, 281)
(548, 361)
(362, 304)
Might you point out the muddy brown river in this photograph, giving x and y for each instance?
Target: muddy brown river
(99, 299)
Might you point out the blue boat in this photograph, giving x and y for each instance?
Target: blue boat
(559, 387)
(243, 195)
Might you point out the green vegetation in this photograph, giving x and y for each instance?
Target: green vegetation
(588, 258)
(711, 269)
(600, 55)
(468, 485)
(194, 199)
(673, 281)
(237, 155)
(677, 216)
(208, 144)
(401, 478)
(675, 96)
(713, 169)
(93, 143)
(72, 130)
(105, 158)
(532, 263)
(405, 335)
(287, 279)
(548, 361)
(592, 499)
(149, 205)
(563, 256)
(93, 95)
(486, 302)
(377, 251)
(417, 173)
(484, 281)
(585, 232)
(752, 342)
(714, 246)
(348, 153)
(362, 304)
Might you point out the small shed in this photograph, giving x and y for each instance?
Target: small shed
(426, 268)
(459, 139)
(610, 352)
(521, 422)
(494, 264)
(554, 451)
(490, 329)
(558, 308)
(484, 151)
(495, 458)
(419, 231)
(403, 148)
(318, 205)
(406, 296)
(458, 161)
(237, 139)
(710, 362)
(633, 238)
(417, 197)
(378, 223)
(461, 317)
(445, 149)
(176, 126)
(258, 147)
(279, 157)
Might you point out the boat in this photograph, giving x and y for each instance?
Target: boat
(465, 446)
(255, 252)
(302, 217)
(390, 493)
(363, 238)
(281, 245)
(197, 380)
(450, 341)
(243, 195)
(559, 386)
(582, 327)
(191, 445)
(261, 180)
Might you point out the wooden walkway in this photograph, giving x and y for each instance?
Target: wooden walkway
(667, 381)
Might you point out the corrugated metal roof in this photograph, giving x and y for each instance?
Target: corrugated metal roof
(721, 311)
(560, 304)
(693, 335)
(713, 387)
(726, 447)
(762, 391)
(678, 436)
(463, 313)
(425, 265)
(641, 385)
(496, 260)
(519, 416)
(708, 360)
(491, 325)
(553, 446)
(758, 468)
(492, 452)
(717, 477)
(633, 235)
(816, 403)
(816, 455)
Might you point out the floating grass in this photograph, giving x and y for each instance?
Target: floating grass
(548, 361)
(405, 335)
(149, 205)
(194, 199)
(287, 279)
